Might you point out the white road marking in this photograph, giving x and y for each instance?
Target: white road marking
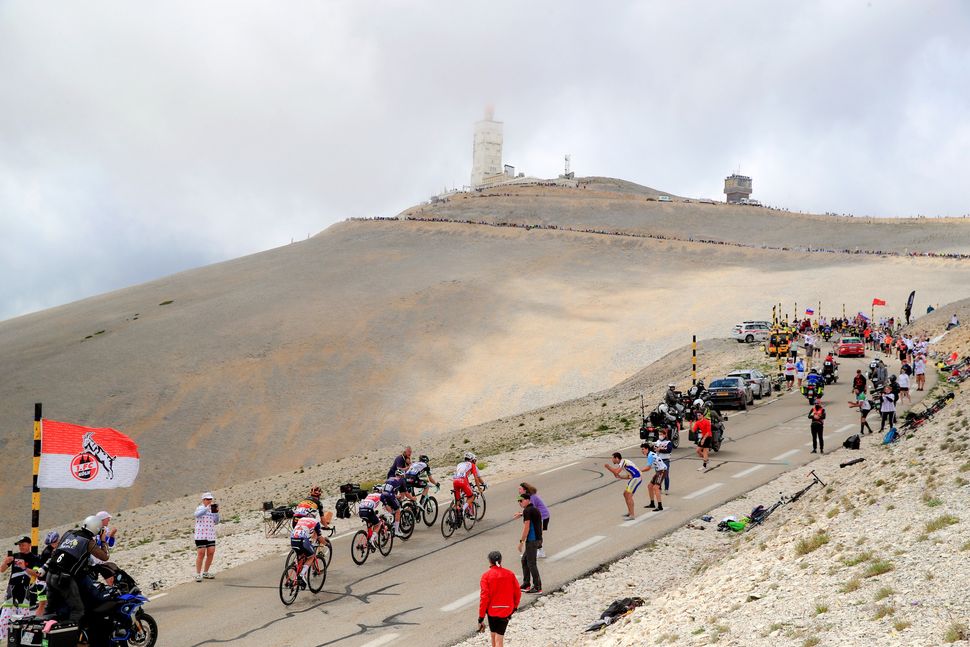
(461, 602)
(341, 536)
(578, 547)
(845, 428)
(703, 491)
(808, 444)
(556, 469)
(155, 597)
(790, 452)
(643, 517)
(383, 640)
(750, 470)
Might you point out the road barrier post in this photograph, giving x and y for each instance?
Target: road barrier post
(693, 359)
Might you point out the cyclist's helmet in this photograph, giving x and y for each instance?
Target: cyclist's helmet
(92, 524)
(316, 491)
(399, 472)
(377, 488)
(424, 459)
(469, 456)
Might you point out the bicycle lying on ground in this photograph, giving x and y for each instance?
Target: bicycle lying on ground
(759, 517)
(456, 516)
(913, 419)
(291, 583)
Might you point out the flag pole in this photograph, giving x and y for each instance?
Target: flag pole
(35, 494)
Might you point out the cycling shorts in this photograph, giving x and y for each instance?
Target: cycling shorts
(415, 482)
(633, 484)
(390, 500)
(304, 547)
(369, 515)
(462, 487)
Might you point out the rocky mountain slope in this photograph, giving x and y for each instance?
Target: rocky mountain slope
(380, 331)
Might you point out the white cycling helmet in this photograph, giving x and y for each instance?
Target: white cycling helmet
(92, 524)
(470, 456)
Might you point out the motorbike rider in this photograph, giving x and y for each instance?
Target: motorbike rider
(68, 576)
(829, 365)
(671, 397)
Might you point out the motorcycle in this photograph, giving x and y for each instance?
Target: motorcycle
(144, 630)
(813, 392)
(830, 372)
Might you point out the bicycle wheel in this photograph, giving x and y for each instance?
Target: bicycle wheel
(407, 523)
(317, 573)
(385, 540)
(430, 511)
(449, 522)
(289, 585)
(359, 547)
(471, 517)
(290, 558)
(480, 504)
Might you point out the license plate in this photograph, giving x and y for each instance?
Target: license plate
(723, 393)
(27, 637)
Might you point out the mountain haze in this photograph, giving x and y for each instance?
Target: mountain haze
(374, 332)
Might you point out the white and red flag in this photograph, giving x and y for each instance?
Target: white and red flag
(85, 458)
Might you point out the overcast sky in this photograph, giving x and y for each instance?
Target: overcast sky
(139, 139)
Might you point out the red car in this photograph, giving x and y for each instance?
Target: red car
(850, 346)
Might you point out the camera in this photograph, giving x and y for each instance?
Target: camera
(214, 508)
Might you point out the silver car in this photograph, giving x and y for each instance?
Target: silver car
(759, 382)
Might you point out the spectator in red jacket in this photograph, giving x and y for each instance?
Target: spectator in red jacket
(500, 598)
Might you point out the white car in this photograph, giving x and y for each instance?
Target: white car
(752, 331)
(664, 198)
(759, 382)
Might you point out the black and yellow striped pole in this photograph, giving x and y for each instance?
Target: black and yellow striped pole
(693, 359)
(35, 494)
(774, 317)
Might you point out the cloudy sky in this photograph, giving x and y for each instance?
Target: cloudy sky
(141, 139)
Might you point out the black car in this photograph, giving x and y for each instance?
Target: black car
(731, 391)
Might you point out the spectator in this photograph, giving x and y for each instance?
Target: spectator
(664, 448)
(903, 381)
(862, 403)
(800, 372)
(859, 381)
(529, 544)
(705, 438)
(19, 564)
(920, 370)
(789, 371)
(499, 598)
(526, 488)
(626, 470)
(817, 416)
(659, 466)
(401, 462)
(106, 541)
(206, 518)
(887, 407)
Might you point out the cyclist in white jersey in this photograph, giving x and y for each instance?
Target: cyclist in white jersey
(624, 469)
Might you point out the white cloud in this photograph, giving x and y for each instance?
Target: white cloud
(137, 140)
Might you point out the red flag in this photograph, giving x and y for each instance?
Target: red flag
(878, 302)
(85, 458)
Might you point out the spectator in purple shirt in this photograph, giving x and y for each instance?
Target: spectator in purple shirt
(526, 488)
(401, 462)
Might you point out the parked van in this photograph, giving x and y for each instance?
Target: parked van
(664, 198)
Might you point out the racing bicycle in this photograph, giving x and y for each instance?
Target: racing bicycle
(378, 536)
(291, 583)
(455, 516)
(326, 550)
(785, 500)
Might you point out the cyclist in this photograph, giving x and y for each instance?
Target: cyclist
(367, 509)
(460, 481)
(305, 538)
(392, 488)
(419, 475)
(625, 469)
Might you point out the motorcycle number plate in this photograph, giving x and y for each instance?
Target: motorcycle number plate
(27, 637)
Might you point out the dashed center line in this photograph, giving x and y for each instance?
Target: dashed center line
(643, 517)
(556, 469)
(750, 470)
(790, 452)
(460, 602)
(578, 547)
(703, 491)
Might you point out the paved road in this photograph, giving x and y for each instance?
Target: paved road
(427, 589)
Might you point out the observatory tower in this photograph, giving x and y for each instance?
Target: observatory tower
(737, 188)
(487, 151)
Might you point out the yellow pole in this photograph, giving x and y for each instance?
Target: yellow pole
(35, 494)
(693, 361)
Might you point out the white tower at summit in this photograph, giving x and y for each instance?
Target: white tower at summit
(487, 150)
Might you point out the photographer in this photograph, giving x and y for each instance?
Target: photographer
(206, 518)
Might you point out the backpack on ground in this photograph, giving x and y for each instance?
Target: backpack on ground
(757, 513)
(852, 442)
(343, 509)
(891, 436)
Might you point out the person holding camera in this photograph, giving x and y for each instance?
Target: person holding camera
(206, 518)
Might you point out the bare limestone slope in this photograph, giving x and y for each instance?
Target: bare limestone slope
(374, 332)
